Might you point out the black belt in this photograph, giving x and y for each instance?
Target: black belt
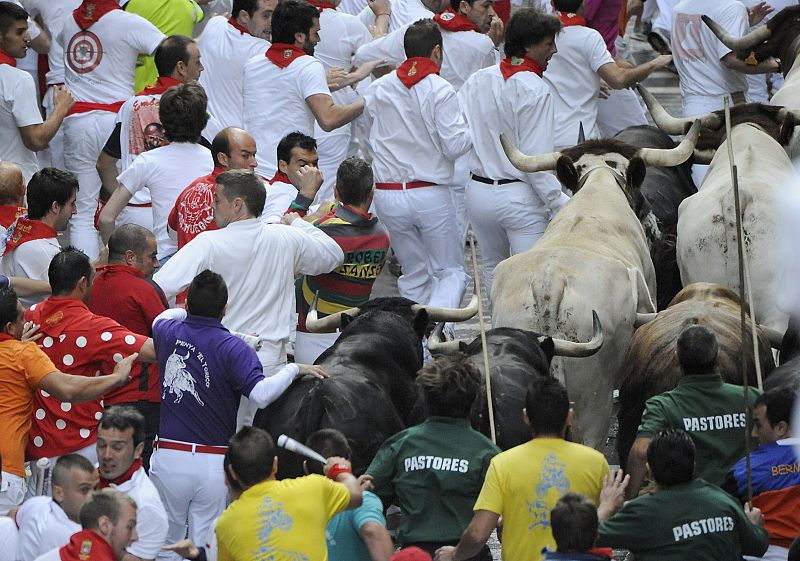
(488, 181)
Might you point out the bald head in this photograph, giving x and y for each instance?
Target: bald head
(12, 184)
(234, 148)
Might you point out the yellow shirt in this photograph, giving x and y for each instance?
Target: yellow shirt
(281, 520)
(524, 483)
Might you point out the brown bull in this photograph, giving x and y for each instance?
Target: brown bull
(651, 365)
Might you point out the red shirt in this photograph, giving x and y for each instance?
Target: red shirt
(78, 342)
(125, 295)
(192, 213)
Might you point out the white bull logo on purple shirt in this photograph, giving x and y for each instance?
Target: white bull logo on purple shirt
(177, 379)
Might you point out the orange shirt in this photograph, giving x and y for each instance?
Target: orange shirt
(22, 368)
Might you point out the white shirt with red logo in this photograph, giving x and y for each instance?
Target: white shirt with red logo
(225, 51)
(99, 62)
(284, 92)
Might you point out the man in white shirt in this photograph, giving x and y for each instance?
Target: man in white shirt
(258, 262)
(139, 129)
(101, 43)
(575, 71)
(227, 44)
(291, 83)
(168, 170)
(32, 244)
(297, 181)
(21, 123)
(47, 523)
(416, 131)
(509, 209)
(120, 441)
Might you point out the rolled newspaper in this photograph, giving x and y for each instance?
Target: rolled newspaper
(44, 476)
(298, 448)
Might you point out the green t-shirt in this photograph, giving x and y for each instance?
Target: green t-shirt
(712, 412)
(435, 470)
(694, 520)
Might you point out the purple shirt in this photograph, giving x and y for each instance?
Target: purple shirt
(204, 372)
(603, 15)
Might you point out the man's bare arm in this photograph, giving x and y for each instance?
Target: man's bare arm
(37, 137)
(68, 387)
(331, 116)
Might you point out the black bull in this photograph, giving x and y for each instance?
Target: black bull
(662, 191)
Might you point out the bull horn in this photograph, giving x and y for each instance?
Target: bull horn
(528, 164)
(580, 350)
(642, 319)
(581, 134)
(437, 346)
(755, 37)
(449, 314)
(774, 336)
(670, 124)
(703, 156)
(328, 324)
(785, 111)
(672, 156)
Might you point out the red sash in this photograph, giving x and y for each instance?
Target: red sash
(163, 84)
(415, 69)
(87, 545)
(283, 54)
(122, 478)
(86, 106)
(511, 65)
(280, 177)
(92, 10)
(9, 213)
(569, 19)
(237, 25)
(6, 58)
(26, 230)
(451, 21)
(321, 5)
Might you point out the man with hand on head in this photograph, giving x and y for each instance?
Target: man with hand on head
(295, 185)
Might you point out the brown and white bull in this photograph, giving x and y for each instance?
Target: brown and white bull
(707, 231)
(593, 256)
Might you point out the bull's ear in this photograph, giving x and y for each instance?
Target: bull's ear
(547, 347)
(420, 323)
(567, 174)
(636, 172)
(786, 130)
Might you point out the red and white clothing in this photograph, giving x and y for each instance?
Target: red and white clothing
(192, 212)
(43, 525)
(226, 47)
(510, 99)
(82, 343)
(31, 246)
(9, 213)
(413, 115)
(697, 52)
(166, 172)
(404, 13)
(574, 83)
(283, 87)
(86, 545)
(280, 194)
(19, 107)
(151, 518)
(100, 56)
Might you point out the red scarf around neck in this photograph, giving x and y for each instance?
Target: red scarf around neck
(242, 29)
(415, 69)
(280, 177)
(87, 545)
(92, 10)
(122, 478)
(569, 19)
(6, 337)
(6, 58)
(451, 21)
(283, 54)
(26, 230)
(163, 84)
(321, 5)
(511, 65)
(8, 214)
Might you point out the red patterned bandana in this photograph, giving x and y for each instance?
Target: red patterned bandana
(413, 70)
(26, 230)
(92, 10)
(283, 54)
(451, 21)
(511, 65)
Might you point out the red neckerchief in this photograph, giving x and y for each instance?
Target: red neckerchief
(122, 478)
(90, 11)
(321, 5)
(280, 176)
(601, 551)
(163, 84)
(9, 213)
(51, 313)
(5, 337)
(242, 29)
(87, 545)
(511, 65)
(26, 230)
(451, 21)
(6, 58)
(283, 54)
(415, 69)
(569, 19)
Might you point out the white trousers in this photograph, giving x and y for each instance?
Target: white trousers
(332, 148)
(141, 215)
(507, 219)
(12, 492)
(459, 195)
(619, 111)
(308, 346)
(85, 134)
(192, 488)
(53, 155)
(426, 243)
(247, 409)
